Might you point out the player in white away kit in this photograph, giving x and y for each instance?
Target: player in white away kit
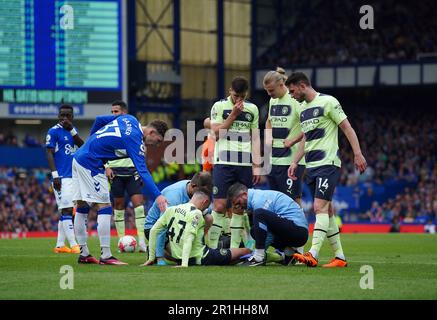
(61, 142)
(111, 138)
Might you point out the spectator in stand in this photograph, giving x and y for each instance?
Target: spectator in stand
(404, 31)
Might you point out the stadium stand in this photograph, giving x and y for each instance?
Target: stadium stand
(399, 35)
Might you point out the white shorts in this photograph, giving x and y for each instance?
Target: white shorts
(88, 188)
(64, 197)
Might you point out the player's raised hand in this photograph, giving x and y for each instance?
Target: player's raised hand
(238, 107)
(360, 162)
(161, 202)
(67, 124)
(292, 171)
(57, 184)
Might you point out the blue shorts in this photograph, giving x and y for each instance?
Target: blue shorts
(279, 181)
(224, 176)
(216, 257)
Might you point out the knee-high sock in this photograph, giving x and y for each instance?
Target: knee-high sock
(216, 229)
(140, 219)
(246, 225)
(237, 229)
(226, 225)
(67, 225)
(319, 234)
(104, 231)
(333, 236)
(60, 241)
(119, 222)
(80, 229)
(273, 257)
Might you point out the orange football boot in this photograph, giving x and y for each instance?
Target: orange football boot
(75, 249)
(63, 249)
(306, 258)
(336, 262)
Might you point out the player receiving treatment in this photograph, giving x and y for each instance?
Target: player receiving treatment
(62, 140)
(111, 138)
(178, 193)
(185, 225)
(124, 177)
(278, 221)
(234, 123)
(320, 116)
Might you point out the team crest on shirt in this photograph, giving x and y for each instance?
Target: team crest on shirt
(213, 113)
(284, 110)
(223, 252)
(316, 112)
(195, 221)
(215, 190)
(248, 117)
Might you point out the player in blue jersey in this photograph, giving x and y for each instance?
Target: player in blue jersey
(176, 194)
(112, 137)
(62, 140)
(277, 220)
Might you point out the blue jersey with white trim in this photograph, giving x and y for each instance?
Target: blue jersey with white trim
(278, 203)
(62, 141)
(175, 194)
(116, 137)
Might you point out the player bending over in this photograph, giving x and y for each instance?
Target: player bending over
(176, 194)
(277, 221)
(185, 225)
(112, 137)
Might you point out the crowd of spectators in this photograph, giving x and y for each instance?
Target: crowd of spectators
(403, 30)
(8, 138)
(398, 145)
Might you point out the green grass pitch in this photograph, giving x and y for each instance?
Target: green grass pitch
(404, 265)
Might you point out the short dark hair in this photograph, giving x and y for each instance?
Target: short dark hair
(160, 126)
(202, 180)
(240, 84)
(235, 190)
(120, 103)
(296, 77)
(204, 192)
(66, 106)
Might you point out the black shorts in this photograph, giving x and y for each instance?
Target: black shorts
(132, 184)
(216, 257)
(284, 231)
(322, 181)
(224, 176)
(279, 181)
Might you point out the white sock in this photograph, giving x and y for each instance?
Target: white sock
(104, 232)
(299, 250)
(80, 223)
(60, 242)
(259, 255)
(333, 236)
(67, 225)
